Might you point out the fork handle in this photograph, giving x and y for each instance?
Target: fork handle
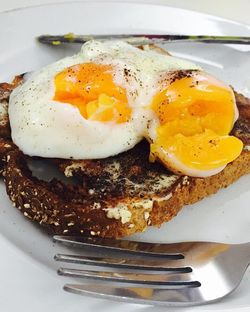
(142, 39)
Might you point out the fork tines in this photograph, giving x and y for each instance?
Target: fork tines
(166, 250)
(152, 265)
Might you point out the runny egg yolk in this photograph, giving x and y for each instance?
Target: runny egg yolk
(196, 114)
(90, 88)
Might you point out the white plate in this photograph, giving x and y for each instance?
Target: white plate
(26, 251)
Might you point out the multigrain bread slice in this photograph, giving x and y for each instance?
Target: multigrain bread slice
(74, 209)
(117, 196)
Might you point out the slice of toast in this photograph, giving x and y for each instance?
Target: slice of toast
(116, 196)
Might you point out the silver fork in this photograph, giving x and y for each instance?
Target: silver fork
(179, 274)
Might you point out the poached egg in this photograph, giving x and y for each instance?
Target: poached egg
(108, 97)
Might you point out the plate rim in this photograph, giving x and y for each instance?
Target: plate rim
(153, 3)
(214, 18)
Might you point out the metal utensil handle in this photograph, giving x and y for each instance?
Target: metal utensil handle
(142, 39)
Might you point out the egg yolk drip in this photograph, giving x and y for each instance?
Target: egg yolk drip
(90, 88)
(196, 114)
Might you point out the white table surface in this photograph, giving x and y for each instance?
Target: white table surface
(232, 9)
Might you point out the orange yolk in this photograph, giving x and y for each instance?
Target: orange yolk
(90, 88)
(196, 114)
